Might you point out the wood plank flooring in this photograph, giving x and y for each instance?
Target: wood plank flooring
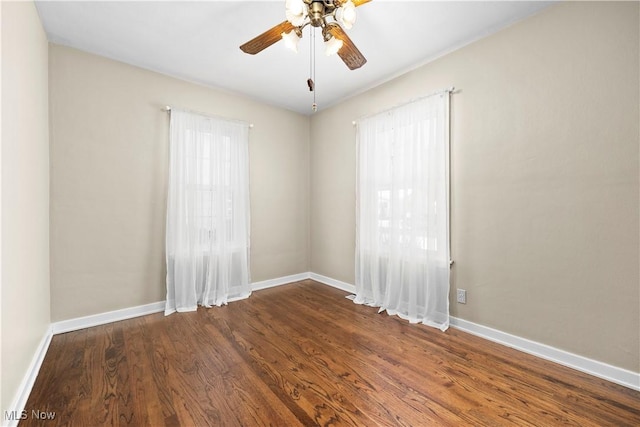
(302, 354)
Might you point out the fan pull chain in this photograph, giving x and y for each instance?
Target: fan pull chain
(312, 67)
(310, 79)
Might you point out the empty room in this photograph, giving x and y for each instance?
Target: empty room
(320, 212)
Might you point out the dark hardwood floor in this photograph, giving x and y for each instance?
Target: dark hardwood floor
(302, 354)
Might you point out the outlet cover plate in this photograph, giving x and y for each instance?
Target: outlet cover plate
(462, 296)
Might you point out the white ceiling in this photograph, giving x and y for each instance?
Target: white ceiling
(199, 41)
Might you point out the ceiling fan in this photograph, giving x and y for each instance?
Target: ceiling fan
(329, 15)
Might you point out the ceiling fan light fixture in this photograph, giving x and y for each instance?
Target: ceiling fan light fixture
(291, 40)
(319, 15)
(332, 46)
(296, 12)
(346, 14)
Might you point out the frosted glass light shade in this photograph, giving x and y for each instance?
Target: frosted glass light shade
(296, 12)
(332, 46)
(291, 40)
(346, 14)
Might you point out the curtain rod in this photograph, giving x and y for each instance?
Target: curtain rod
(446, 90)
(167, 109)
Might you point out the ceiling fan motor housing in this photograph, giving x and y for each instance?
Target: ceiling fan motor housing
(317, 13)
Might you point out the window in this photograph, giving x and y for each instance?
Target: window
(402, 245)
(207, 212)
(214, 191)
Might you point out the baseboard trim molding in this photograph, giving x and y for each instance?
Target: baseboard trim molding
(156, 307)
(29, 379)
(580, 363)
(347, 287)
(278, 281)
(592, 367)
(598, 369)
(108, 317)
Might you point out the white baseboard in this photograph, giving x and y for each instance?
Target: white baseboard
(599, 369)
(347, 287)
(24, 390)
(108, 317)
(156, 307)
(256, 286)
(592, 367)
(70, 325)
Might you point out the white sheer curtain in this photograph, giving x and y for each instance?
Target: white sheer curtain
(207, 240)
(402, 231)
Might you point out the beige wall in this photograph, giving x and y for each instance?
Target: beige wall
(545, 174)
(25, 194)
(545, 192)
(109, 154)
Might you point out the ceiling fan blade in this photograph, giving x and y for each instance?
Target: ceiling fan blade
(356, 3)
(348, 52)
(267, 38)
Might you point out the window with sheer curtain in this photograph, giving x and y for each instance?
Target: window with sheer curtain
(207, 235)
(402, 230)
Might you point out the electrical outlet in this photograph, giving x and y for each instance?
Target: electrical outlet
(462, 296)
